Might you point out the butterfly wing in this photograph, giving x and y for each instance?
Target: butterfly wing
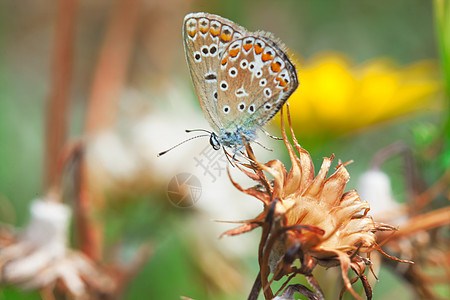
(205, 37)
(255, 79)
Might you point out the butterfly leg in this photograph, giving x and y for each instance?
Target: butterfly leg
(271, 136)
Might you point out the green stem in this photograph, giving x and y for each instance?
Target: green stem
(442, 24)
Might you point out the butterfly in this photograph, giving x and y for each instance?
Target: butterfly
(242, 78)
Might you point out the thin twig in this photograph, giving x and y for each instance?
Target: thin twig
(109, 80)
(62, 62)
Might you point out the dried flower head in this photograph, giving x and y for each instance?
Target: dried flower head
(41, 259)
(310, 218)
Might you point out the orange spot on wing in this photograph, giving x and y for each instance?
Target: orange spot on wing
(247, 47)
(276, 67)
(204, 29)
(265, 57)
(258, 49)
(215, 32)
(225, 37)
(281, 81)
(224, 61)
(234, 52)
(192, 32)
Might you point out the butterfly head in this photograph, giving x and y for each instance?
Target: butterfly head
(233, 139)
(214, 141)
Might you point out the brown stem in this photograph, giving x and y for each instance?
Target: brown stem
(107, 86)
(256, 288)
(56, 124)
(111, 71)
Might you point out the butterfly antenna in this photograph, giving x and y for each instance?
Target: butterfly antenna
(194, 130)
(194, 137)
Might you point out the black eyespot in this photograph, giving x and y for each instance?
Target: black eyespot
(267, 106)
(210, 76)
(223, 85)
(213, 50)
(252, 108)
(205, 50)
(251, 66)
(233, 72)
(215, 95)
(226, 31)
(242, 106)
(226, 109)
(197, 56)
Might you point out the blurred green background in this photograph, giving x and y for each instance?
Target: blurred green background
(401, 32)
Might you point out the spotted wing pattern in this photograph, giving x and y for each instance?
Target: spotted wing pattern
(205, 38)
(255, 79)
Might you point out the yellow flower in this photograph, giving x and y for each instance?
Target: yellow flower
(310, 218)
(335, 97)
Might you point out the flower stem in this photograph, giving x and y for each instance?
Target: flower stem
(57, 105)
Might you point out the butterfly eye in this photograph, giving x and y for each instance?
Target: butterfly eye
(197, 57)
(226, 109)
(251, 108)
(214, 141)
(244, 63)
(233, 72)
(224, 85)
(267, 92)
(267, 106)
(241, 106)
(262, 82)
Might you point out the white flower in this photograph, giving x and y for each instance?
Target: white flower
(374, 186)
(40, 256)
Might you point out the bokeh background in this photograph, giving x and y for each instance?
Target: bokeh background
(370, 76)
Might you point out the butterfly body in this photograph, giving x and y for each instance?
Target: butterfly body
(237, 137)
(241, 78)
